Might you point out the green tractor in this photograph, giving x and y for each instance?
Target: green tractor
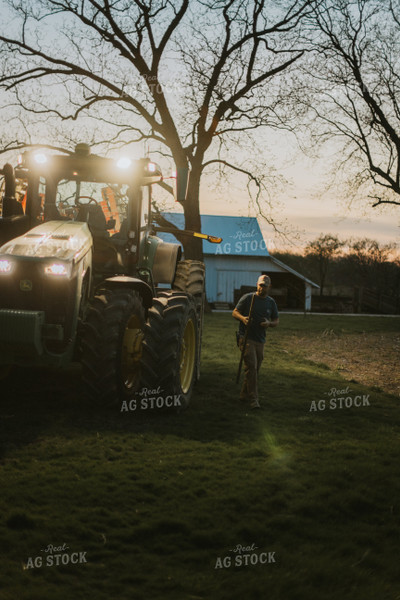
(84, 277)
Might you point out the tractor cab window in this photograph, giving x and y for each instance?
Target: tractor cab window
(103, 206)
(144, 214)
(41, 196)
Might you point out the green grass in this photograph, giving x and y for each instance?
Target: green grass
(155, 499)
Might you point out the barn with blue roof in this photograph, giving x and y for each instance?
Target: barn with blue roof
(232, 267)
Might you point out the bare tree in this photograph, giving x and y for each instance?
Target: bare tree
(353, 82)
(324, 249)
(372, 263)
(188, 77)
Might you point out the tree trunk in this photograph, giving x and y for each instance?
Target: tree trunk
(193, 247)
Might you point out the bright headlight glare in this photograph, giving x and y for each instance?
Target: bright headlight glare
(151, 167)
(40, 158)
(124, 162)
(57, 269)
(5, 266)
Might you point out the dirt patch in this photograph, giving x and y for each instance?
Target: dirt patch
(372, 359)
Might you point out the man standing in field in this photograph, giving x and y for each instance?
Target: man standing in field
(264, 315)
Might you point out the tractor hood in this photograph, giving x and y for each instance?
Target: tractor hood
(64, 240)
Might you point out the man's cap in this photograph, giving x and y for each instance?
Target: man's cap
(264, 280)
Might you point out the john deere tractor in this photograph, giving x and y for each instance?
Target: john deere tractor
(83, 276)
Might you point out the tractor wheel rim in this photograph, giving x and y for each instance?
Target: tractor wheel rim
(187, 357)
(131, 353)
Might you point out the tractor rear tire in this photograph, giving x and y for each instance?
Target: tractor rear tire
(170, 347)
(112, 346)
(190, 278)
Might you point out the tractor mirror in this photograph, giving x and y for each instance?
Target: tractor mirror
(182, 179)
(10, 206)
(9, 181)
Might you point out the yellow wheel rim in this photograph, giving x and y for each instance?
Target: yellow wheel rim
(188, 356)
(131, 352)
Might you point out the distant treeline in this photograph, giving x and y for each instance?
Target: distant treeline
(365, 263)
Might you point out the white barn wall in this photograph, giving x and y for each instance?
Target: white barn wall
(226, 273)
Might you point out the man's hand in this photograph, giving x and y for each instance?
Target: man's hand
(265, 324)
(237, 315)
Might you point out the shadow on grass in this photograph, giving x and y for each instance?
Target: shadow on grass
(40, 402)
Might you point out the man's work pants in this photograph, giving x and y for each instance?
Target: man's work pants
(252, 359)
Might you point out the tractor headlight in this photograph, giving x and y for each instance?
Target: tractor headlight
(5, 266)
(124, 162)
(58, 270)
(40, 158)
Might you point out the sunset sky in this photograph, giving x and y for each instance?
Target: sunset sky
(303, 202)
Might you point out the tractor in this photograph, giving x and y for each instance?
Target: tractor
(84, 277)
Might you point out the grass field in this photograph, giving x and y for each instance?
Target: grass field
(157, 503)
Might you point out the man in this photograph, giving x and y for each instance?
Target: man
(264, 315)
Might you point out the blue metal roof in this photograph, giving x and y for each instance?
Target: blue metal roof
(241, 236)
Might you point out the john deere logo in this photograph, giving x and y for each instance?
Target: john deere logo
(25, 285)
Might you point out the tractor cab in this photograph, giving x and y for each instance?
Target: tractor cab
(105, 194)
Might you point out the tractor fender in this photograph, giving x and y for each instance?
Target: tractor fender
(166, 258)
(132, 283)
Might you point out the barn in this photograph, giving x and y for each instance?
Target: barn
(233, 266)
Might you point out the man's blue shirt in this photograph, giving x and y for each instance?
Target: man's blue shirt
(263, 308)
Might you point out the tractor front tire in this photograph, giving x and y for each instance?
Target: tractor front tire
(112, 346)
